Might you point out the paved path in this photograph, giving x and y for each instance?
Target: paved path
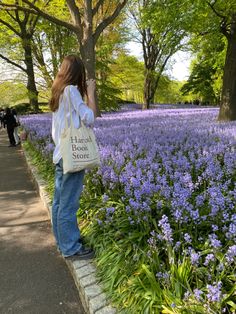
(34, 278)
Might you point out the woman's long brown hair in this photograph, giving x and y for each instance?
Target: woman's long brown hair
(72, 72)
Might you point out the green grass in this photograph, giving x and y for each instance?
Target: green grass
(44, 167)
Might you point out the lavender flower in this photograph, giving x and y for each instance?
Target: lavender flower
(231, 231)
(187, 238)
(166, 228)
(165, 276)
(214, 292)
(105, 198)
(215, 243)
(177, 246)
(231, 254)
(187, 295)
(209, 258)
(194, 257)
(198, 294)
(110, 210)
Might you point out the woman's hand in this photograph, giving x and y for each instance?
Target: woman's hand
(91, 86)
(91, 93)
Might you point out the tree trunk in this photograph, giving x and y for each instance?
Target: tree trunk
(37, 49)
(87, 52)
(31, 86)
(228, 99)
(150, 86)
(147, 90)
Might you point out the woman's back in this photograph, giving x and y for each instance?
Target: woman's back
(70, 101)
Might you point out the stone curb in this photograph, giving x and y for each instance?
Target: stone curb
(83, 271)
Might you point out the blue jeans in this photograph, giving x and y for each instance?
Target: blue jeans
(68, 188)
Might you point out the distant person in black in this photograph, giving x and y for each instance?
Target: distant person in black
(10, 121)
(2, 113)
(16, 136)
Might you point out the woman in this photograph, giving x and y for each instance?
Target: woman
(10, 121)
(1, 118)
(69, 88)
(16, 136)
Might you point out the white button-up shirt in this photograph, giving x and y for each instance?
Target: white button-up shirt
(71, 95)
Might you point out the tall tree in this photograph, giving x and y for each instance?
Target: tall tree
(109, 45)
(226, 12)
(22, 25)
(51, 43)
(217, 17)
(159, 24)
(207, 68)
(86, 22)
(127, 73)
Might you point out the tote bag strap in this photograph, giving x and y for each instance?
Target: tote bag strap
(70, 110)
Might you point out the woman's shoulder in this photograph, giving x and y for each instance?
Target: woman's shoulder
(71, 88)
(73, 91)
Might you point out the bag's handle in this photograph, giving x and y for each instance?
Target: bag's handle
(71, 120)
(66, 123)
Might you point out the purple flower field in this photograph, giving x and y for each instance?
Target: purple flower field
(168, 177)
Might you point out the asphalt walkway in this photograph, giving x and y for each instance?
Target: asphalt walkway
(34, 278)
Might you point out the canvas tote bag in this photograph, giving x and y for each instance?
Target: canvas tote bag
(78, 147)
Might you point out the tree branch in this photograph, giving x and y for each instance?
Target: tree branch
(11, 15)
(12, 62)
(224, 28)
(108, 20)
(37, 50)
(10, 27)
(75, 14)
(97, 6)
(223, 25)
(32, 23)
(211, 5)
(50, 17)
(35, 10)
(88, 17)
